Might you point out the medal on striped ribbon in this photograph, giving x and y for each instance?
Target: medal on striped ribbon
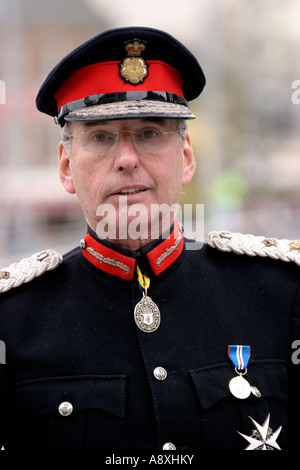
(239, 355)
(239, 387)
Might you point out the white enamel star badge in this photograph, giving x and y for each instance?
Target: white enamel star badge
(262, 438)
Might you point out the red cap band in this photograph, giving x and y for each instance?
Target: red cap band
(104, 77)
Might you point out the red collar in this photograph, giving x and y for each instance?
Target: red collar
(118, 264)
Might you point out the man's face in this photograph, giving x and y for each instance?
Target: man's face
(125, 171)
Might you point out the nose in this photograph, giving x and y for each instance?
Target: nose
(125, 155)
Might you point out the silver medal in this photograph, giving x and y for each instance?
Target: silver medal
(147, 315)
(255, 391)
(240, 387)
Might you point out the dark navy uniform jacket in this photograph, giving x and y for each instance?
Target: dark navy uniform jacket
(71, 338)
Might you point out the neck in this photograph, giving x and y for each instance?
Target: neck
(130, 244)
(135, 235)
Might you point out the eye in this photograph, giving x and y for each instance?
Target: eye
(148, 134)
(102, 137)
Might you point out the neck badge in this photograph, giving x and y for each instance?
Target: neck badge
(146, 312)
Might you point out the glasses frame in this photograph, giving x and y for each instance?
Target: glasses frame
(117, 133)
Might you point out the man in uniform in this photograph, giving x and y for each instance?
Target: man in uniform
(131, 341)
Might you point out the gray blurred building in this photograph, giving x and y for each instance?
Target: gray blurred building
(246, 135)
(35, 211)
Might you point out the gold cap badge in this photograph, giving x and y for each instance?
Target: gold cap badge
(133, 68)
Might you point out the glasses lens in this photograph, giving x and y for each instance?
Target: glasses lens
(150, 138)
(99, 140)
(102, 140)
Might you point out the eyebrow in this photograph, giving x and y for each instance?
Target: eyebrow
(149, 119)
(93, 123)
(157, 120)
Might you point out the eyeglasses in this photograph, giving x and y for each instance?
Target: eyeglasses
(102, 140)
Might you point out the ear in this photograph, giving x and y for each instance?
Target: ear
(65, 169)
(189, 164)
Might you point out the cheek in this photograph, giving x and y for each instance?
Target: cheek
(169, 176)
(174, 169)
(84, 173)
(86, 184)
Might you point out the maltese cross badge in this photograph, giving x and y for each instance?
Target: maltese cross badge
(263, 437)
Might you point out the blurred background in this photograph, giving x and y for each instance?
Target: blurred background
(246, 136)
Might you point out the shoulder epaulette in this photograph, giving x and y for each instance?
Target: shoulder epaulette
(252, 245)
(28, 268)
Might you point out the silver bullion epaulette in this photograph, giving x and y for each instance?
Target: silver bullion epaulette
(28, 268)
(252, 245)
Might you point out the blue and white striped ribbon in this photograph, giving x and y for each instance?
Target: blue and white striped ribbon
(239, 355)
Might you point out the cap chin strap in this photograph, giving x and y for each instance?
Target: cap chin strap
(106, 98)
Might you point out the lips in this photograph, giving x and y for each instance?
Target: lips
(131, 191)
(125, 191)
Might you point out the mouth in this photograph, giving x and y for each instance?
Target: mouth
(129, 191)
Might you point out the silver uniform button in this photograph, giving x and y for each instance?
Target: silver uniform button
(169, 446)
(160, 373)
(65, 408)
